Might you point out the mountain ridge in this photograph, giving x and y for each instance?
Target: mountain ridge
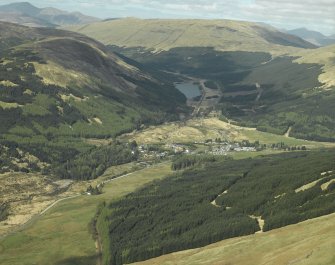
(311, 36)
(165, 34)
(27, 14)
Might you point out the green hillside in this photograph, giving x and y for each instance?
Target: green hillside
(160, 34)
(58, 87)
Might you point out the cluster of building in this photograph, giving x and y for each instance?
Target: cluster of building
(215, 148)
(225, 148)
(152, 151)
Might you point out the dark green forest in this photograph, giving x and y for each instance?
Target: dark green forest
(93, 163)
(186, 161)
(176, 213)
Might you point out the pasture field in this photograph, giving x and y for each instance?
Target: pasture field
(61, 236)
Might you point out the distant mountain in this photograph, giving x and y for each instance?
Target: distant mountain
(164, 34)
(25, 20)
(314, 37)
(26, 14)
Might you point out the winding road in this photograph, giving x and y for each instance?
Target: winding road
(59, 200)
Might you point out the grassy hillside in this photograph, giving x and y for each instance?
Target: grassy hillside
(325, 57)
(216, 201)
(57, 87)
(307, 243)
(224, 35)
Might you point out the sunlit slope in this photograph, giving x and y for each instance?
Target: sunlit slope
(167, 34)
(307, 243)
(324, 56)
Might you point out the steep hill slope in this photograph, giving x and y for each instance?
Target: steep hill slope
(56, 86)
(308, 243)
(26, 14)
(167, 34)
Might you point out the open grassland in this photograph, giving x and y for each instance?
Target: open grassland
(163, 34)
(324, 56)
(61, 235)
(199, 130)
(307, 243)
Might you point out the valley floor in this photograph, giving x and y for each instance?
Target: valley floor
(308, 243)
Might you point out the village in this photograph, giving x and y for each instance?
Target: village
(215, 147)
(208, 147)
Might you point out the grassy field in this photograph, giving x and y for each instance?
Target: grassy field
(61, 235)
(198, 130)
(308, 243)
